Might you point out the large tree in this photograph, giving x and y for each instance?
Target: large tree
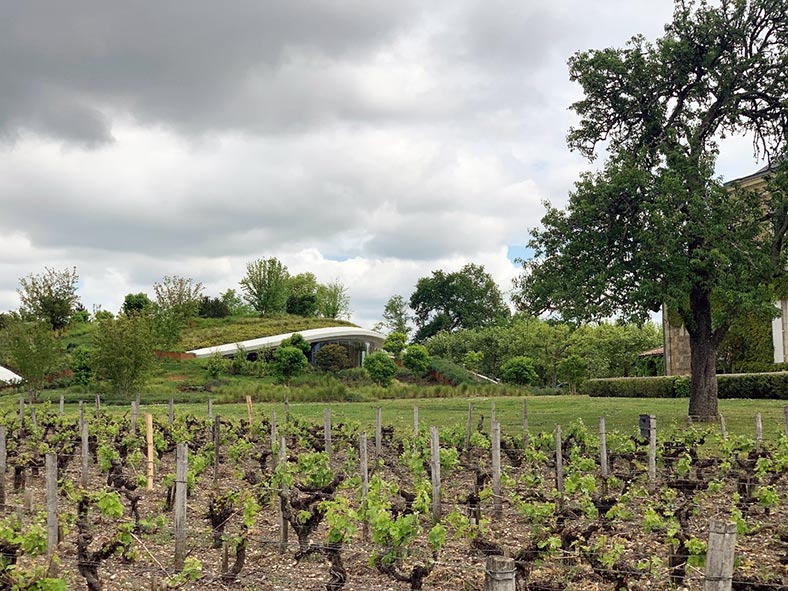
(468, 298)
(32, 350)
(50, 296)
(395, 315)
(333, 300)
(656, 225)
(124, 352)
(265, 285)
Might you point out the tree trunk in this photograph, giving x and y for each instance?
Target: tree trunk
(703, 359)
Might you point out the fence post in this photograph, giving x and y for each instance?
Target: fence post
(378, 432)
(603, 448)
(559, 461)
(274, 441)
(249, 411)
(652, 453)
(362, 452)
(210, 408)
(499, 574)
(525, 423)
(3, 460)
(171, 412)
(758, 431)
(181, 467)
(719, 556)
(492, 416)
(217, 440)
(468, 427)
(327, 431)
(415, 422)
(785, 418)
(134, 411)
(723, 428)
(149, 438)
(51, 483)
(85, 469)
(496, 470)
(98, 404)
(283, 491)
(435, 460)
(62, 403)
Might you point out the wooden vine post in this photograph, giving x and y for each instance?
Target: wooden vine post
(134, 411)
(525, 424)
(274, 441)
(181, 468)
(249, 410)
(758, 431)
(496, 470)
(85, 475)
(499, 574)
(282, 520)
(364, 467)
(3, 462)
(171, 412)
(719, 556)
(492, 416)
(603, 450)
(210, 408)
(217, 440)
(559, 462)
(378, 432)
(785, 419)
(723, 428)
(51, 498)
(652, 453)
(415, 422)
(149, 439)
(327, 432)
(61, 408)
(468, 427)
(435, 462)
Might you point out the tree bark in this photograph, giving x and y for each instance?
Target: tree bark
(704, 342)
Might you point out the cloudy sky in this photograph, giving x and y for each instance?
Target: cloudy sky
(363, 140)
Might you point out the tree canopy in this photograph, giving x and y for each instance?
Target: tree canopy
(50, 296)
(656, 225)
(265, 285)
(468, 298)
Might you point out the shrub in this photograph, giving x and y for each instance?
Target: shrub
(381, 368)
(289, 361)
(756, 385)
(395, 343)
(519, 370)
(332, 357)
(416, 359)
(297, 341)
(213, 308)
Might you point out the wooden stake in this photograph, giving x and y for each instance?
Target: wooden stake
(149, 438)
(723, 428)
(603, 447)
(559, 461)
(327, 431)
(85, 475)
(51, 496)
(62, 405)
(210, 408)
(492, 416)
(719, 556)
(282, 520)
(652, 454)
(758, 431)
(362, 452)
(499, 574)
(217, 440)
(3, 462)
(496, 470)
(415, 422)
(435, 460)
(98, 404)
(249, 411)
(287, 410)
(378, 432)
(469, 426)
(274, 441)
(171, 412)
(785, 419)
(525, 424)
(181, 468)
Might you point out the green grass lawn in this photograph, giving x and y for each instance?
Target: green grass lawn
(544, 412)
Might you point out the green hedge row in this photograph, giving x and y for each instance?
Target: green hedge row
(750, 385)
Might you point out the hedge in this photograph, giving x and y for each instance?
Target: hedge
(751, 385)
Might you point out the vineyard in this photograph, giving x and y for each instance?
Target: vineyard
(134, 502)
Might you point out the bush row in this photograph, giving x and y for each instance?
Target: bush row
(751, 385)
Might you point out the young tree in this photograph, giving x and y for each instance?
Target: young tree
(332, 357)
(235, 304)
(289, 361)
(519, 370)
(179, 295)
(124, 352)
(395, 343)
(265, 285)
(656, 225)
(333, 300)
(50, 296)
(302, 298)
(468, 298)
(136, 303)
(395, 315)
(33, 352)
(380, 367)
(416, 359)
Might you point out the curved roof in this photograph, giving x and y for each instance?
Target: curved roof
(314, 335)
(6, 375)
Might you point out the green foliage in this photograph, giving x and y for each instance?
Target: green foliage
(289, 362)
(213, 308)
(265, 285)
(30, 348)
(297, 341)
(452, 372)
(332, 358)
(235, 304)
(395, 315)
(333, 300)
(472, 360)
(468, 298)
(380, 367)
(772, 386)
(417, 359)
(81, 363)
(179, 296)
(573, 369)
(50, 297)
(124, 353)
(136, 303)
(395, 343)
(519, 370)
(302, 295)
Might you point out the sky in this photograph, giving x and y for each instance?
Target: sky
(368, 142)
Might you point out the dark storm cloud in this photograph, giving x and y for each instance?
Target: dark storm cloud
(67, 67)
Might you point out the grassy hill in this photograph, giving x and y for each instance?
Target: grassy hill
(209, 332)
